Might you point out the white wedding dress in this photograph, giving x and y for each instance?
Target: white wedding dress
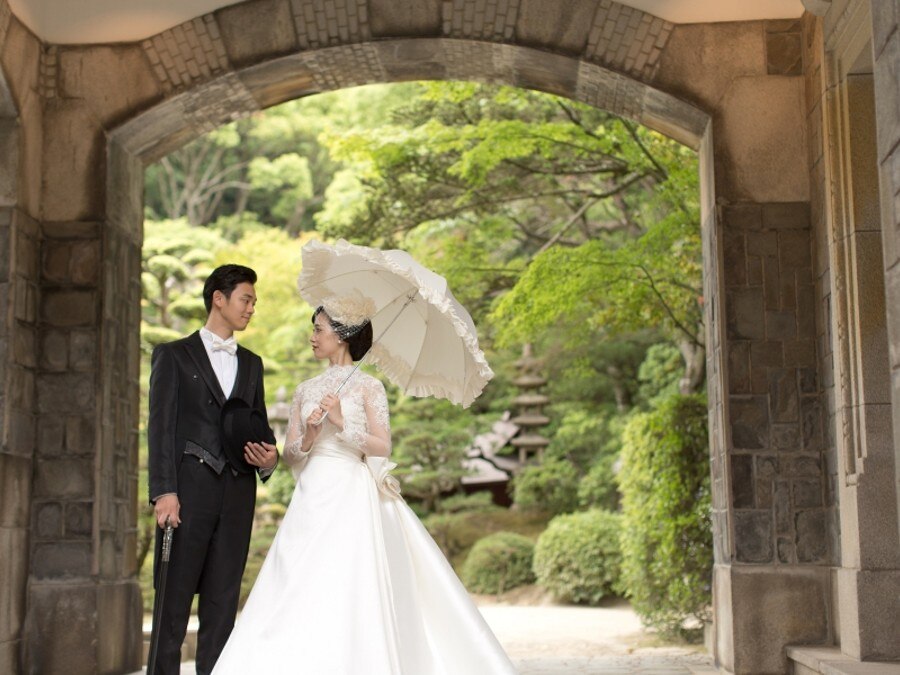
(353, 583)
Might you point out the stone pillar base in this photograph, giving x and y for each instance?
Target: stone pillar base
(869, 602)
(83, 628)
(815, 660)
(761, 610)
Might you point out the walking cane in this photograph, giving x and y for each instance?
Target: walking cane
(160, 596)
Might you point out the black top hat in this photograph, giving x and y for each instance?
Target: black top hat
(240, 425)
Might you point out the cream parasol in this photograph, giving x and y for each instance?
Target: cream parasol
(425, 340)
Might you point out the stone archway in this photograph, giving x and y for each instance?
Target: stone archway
(200, 108)
(745, 115)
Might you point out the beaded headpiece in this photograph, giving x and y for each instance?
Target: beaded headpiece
(351, 313)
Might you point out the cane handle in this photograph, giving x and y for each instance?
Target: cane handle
(167, 541)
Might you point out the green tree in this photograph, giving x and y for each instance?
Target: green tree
(285, 183)
(271, 164)
(666, 538)
(477, 180)
(192, 182)
(430, 440)
(484, 183)
(550, 486)
(176, 258)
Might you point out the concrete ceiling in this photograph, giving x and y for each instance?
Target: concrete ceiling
(103, 21)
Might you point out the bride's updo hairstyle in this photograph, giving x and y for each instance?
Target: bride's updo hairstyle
(350, 319)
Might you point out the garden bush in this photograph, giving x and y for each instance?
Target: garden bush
(499, 562)
(598, 488)
(460, 502)
(578, 557)
(551, 486)
(457, 533)
(666, 538)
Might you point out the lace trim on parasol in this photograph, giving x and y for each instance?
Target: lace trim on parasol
(398, 370)
(393, 366)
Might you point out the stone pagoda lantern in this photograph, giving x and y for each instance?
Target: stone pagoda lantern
(530, 404)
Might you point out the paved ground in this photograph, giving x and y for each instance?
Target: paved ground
(554, 640)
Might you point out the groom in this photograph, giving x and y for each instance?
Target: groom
(198, 481)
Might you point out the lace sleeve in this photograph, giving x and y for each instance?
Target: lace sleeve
(377, 415)
(293, 453)
(370, 432)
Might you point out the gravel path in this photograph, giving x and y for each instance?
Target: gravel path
(557, 640)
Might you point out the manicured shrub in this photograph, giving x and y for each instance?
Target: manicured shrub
(551, 486)
(499, 562)
(666, 538)
(460, 502)
(457, 533)
(598, 488)
(578, 557)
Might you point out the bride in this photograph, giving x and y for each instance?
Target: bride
(353, 584)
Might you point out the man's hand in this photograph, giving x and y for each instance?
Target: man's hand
(263, 455)
(169, 507)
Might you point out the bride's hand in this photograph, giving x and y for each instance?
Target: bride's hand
(313, 427)
(332, 406)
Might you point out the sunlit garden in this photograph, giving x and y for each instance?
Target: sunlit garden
(571, 235)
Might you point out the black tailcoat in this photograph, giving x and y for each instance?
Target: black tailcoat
(210, 546)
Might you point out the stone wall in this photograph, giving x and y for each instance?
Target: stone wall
(852, 336)
(20, 146)
(771, 572)
(813, 54)
(771, 509)
(883, 589)
(68, 459)
(777, 489)
(886, 49)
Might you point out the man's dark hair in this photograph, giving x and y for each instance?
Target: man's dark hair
(225, 279)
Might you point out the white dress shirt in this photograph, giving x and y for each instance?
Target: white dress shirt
(224, 365)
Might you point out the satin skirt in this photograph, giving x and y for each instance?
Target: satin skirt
(354, 585)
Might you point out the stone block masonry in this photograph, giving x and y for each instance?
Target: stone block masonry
(778, 480)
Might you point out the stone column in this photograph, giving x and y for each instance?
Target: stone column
(84, 610)
(853, 240)
(770, 505)
(20, 145)
(886, 49)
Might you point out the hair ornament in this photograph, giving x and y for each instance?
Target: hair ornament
(352, 311)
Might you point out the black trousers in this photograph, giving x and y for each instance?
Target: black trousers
(209, 552)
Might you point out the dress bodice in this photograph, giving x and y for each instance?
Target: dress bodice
(364, 408)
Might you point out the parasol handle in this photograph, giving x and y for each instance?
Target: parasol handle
(409, 300)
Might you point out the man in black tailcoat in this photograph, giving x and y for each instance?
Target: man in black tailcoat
(198, 481)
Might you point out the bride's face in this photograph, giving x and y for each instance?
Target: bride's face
(325, 342)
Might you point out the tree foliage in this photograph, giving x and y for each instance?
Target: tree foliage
(540, 209)
(550, 486)
(666, 538)
(430, 442)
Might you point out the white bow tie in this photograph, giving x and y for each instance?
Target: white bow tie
(220, 345)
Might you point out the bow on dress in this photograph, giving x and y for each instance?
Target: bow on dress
(380, 468)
